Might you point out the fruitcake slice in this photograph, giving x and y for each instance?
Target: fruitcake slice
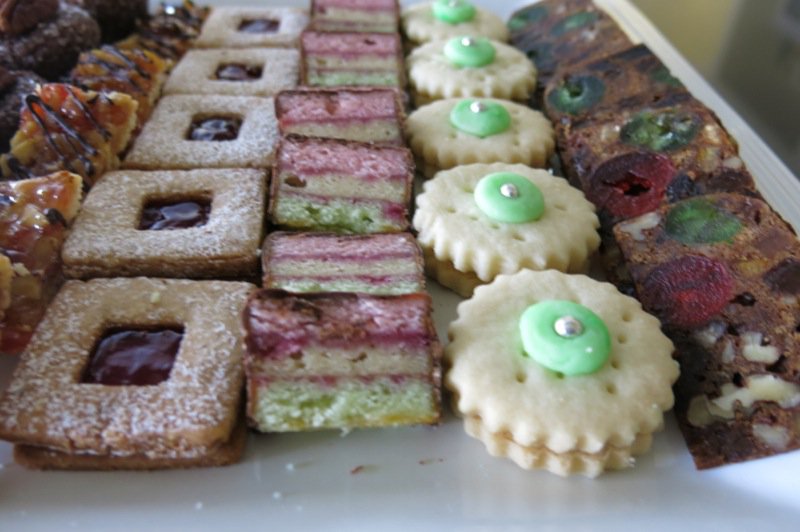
(555, 34)
(340, 58)
(339, 360)
(634, 77)
(138, 73)
(386, 263)
(722, 272)
(65, 128)
(366, 115)
(341, 186)
(34, 216)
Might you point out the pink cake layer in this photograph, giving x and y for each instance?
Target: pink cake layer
(344, 44)
(298, 106)
(361, 248)
(314, 157)
(279, 323)
(360, 5)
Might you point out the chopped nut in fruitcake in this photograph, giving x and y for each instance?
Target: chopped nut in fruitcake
(723, 273)
(34, 216)
(65, 128)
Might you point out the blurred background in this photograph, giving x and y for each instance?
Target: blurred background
(749, 51)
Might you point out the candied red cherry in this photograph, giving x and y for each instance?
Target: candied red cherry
(630, 184)
(576, 94)
(687, 292)
(661, 131)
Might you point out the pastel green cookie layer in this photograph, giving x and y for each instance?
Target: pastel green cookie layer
(337, 215)
(332, 79)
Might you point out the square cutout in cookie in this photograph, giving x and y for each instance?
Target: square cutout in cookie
(164, 142)
(124, 229)
(252, 27)
(189, 419)
(240, 72)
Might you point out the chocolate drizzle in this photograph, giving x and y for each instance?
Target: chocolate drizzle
(121, 68)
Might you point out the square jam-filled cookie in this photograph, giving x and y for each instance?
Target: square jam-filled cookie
(341, 186)
(195, 224)
(363, 114)
(196, 131)
(244, 72)
(250, 27)
(337, 360)
(386, 263)
(131, 374)
(339, 58)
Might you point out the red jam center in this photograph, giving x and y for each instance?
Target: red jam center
(259, 25)
(133, 357)
(159, 215)
(215, 128)
(238, 72)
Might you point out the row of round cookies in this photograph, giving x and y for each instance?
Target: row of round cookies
(546, 366)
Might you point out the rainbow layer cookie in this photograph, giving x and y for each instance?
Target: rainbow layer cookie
(381, 16)
(387, 263)
(367, 115)
(331, 59)
(341, 186)
(722, 272)
(317, 361)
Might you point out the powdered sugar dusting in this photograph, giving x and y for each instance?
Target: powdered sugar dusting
(187, 415)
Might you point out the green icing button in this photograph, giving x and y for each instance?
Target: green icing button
(453, 11)
(510, 198)
(698, 221)
(479, 118)
(565, 337)
(469, 51)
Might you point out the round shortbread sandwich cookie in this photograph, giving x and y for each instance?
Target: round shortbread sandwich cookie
(469, 66)
(442, 19)
(477, 221)
(452, 132)
(559, 372)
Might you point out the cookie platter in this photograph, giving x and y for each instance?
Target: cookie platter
(429, 478)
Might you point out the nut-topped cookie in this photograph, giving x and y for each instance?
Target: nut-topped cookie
(559, 372)
(477, 221)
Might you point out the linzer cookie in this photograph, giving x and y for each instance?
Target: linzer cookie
(445, 19)
(366, 115)
(477, 221)
(241, 72)
(452, 132)
(252, 27)
(559, 372)
(65, 128)
(351, 59)
(340, 361)
(188, 224)
(556, 34)
(214, 131)
(372, 16)
(722, 271)
(34, 218)
(386, 263)
(151, 383)
(341, 186)
(469, 66)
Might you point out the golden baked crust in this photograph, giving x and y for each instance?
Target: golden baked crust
(187, 416)
(106, 240)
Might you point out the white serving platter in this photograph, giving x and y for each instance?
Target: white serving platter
(431, 478)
